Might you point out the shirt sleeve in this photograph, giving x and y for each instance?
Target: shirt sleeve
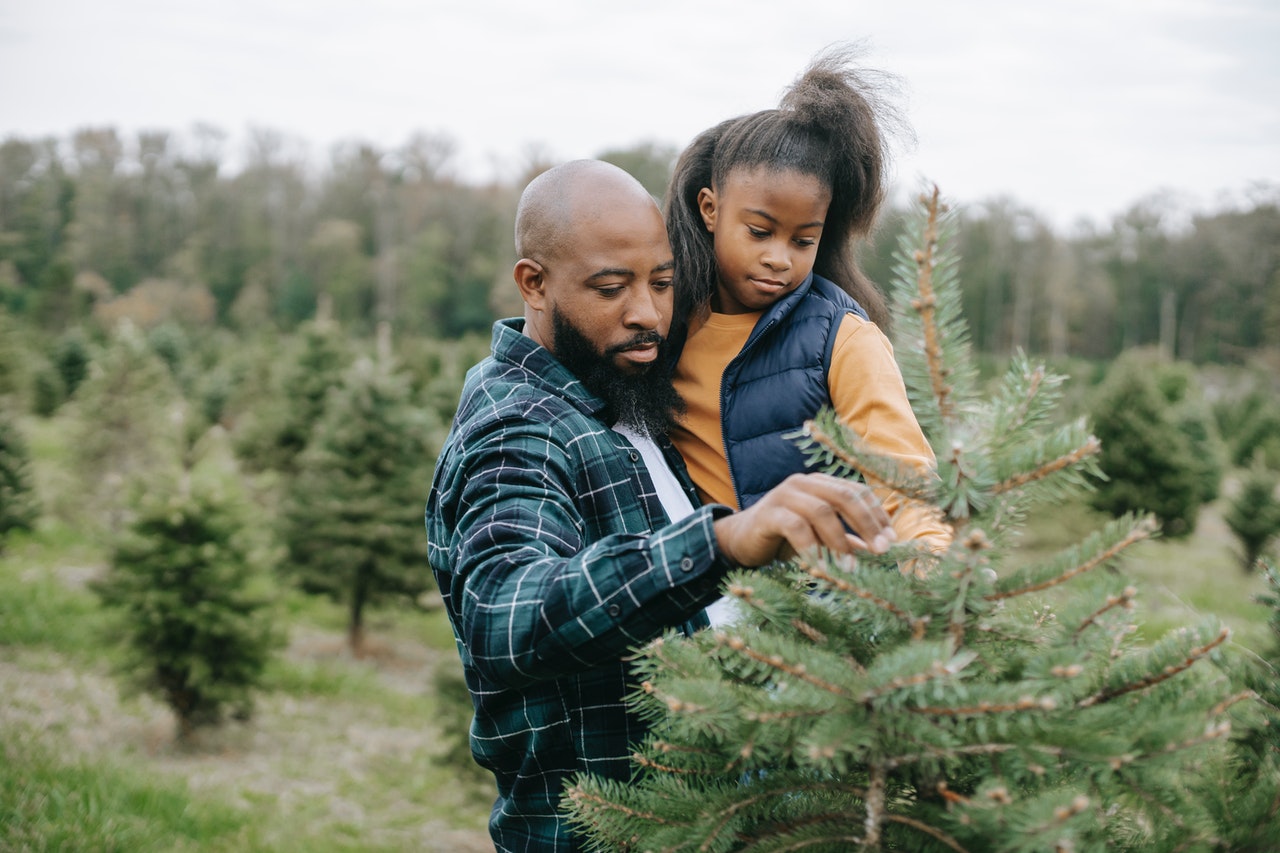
(536, 599)
(870, 397)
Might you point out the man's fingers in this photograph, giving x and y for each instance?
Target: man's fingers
(805, 511)
(860, 509)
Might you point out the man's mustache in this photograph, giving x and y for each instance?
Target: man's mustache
(643, 339)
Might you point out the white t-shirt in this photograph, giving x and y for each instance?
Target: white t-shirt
(675, 502)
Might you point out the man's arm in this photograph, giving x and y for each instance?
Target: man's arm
(535, 599)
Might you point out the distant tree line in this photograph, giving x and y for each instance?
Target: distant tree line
(158, 227)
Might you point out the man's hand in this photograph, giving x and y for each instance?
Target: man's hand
(803, 511)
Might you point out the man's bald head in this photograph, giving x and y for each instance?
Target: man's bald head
(558, 201)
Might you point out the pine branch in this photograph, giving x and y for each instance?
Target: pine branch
(840, 447)
(929, 751)
(1026, 703)
(924, 305)
(776, 662)
(780, 716)
(958, 609)
(1090, 448)
(1123, 600)
(1020, 414)
(648, 763)
(769, 834)
(854, 840)
(1078, 805)
(597, 803)
(1168, 813)
(1222, 706)
(1164, 675)
(917, 624)
(931, 831)
(1140, 531)
(937, 669)
(673, 704)
(875, 804)
(727, 814)
(1212, 733)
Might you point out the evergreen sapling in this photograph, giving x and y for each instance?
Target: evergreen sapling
(191, 581)
(353, 512)
(931, 701)
(19, 506)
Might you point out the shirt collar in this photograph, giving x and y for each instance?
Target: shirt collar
(512, 346)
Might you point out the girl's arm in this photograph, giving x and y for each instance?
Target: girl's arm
(869, 396)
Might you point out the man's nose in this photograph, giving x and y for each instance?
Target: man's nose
(643, 311)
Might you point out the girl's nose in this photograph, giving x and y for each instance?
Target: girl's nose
(776, 257)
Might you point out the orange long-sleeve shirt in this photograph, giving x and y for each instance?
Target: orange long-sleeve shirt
(866, 391)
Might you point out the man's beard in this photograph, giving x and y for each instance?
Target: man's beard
(643, 400)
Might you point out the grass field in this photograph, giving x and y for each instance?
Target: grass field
(341, 754)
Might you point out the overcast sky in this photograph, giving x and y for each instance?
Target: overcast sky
(1076, 109)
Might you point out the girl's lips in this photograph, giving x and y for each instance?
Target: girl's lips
(768, 283)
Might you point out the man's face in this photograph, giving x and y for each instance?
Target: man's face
(605, 310)
(613, 285)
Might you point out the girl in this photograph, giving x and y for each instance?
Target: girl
(774, 320)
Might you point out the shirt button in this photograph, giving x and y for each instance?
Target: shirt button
(686, 565)
(614, 610)
(635, 457)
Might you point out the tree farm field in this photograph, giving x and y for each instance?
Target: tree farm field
(340, 753)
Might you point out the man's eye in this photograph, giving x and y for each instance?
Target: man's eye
(662, 284)
(610, 292)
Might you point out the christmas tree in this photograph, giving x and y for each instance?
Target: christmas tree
(190, 580)
(19, 506)
(351, 511)
(933, 701)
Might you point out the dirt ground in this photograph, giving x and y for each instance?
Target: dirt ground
(307, 757)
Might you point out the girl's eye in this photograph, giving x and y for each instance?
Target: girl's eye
(806, 242)
(756, 232)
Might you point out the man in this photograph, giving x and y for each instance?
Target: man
(561, 524)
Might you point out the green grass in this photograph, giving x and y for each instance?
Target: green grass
(341, 754)
(43, 600)
(48, 804)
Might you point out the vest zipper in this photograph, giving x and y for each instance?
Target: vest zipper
(751, 341)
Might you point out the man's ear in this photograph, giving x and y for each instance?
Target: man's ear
(532, 281)
(707, 207)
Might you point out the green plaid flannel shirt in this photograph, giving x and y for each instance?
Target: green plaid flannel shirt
(555, 559)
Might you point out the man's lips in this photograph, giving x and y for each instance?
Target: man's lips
(641, 353)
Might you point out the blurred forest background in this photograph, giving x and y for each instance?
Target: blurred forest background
(237, 378)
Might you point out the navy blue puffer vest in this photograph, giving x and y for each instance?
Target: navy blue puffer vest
(777, 382)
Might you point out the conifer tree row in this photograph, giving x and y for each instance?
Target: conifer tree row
(934, 701)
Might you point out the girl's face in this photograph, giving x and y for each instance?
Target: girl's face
(765, 225)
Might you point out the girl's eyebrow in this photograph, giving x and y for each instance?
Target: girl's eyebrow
(817, 223)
